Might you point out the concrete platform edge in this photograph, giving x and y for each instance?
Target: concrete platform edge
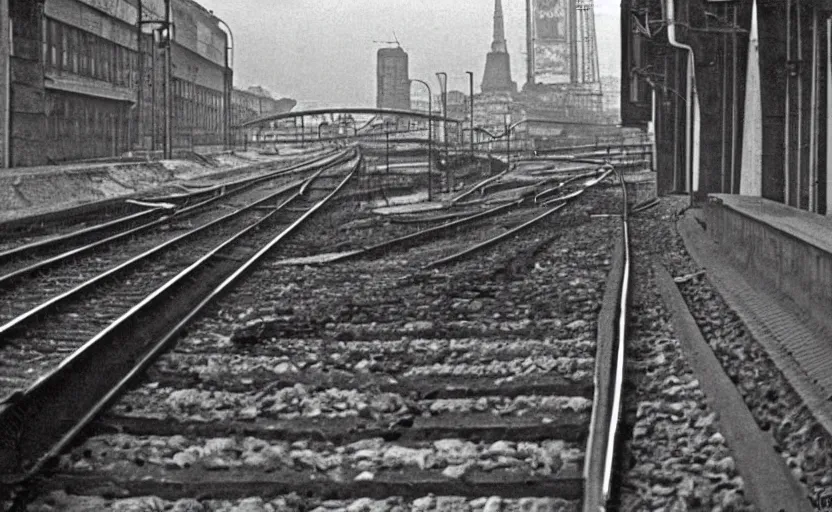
(74, 207)
(769, 481)
(739, 294)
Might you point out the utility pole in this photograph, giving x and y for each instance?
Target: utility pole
(168, 92)
(506, 120)
(229, 89)
(529, 45)
(387, 144)
(430, 135)
(471, 92)
(140, 85)
(5, 86)
(153, 96)
(442, 77)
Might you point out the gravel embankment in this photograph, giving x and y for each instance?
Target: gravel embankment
(481, 369)
(677, 458)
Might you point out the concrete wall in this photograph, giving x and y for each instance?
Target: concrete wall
(392, 79)
(800, 270)
(5, 55)
(28, 105)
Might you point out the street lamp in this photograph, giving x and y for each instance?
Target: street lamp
(168, 153)
(387, 143)
(507, 120)
(442, 77)
(471, 92)
(430, 135)
(165, 33)
(229, 81)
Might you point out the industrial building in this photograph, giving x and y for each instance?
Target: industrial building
(393, 81)
(87, 80)
(255, 102)
(737, 93)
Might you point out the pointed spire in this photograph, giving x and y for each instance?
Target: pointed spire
(499, 43)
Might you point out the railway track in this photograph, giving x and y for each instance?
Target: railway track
(379, 383)
(25, 259)
(143, 312)
(78, 271)
(91, 215)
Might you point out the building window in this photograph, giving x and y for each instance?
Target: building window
(54, 33)
(74, 50)
(638, 88)
(44, 36)
(64, 49)
(71, 50)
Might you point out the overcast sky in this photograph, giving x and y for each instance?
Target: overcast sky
(323, 51)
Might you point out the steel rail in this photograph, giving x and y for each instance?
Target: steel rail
(91, 212)
(6, 279)
(559, 186)
(117, 337)
(52, 240)
(609, 375)
(479, 186)
(243, 181)
(494, 240)
(42, 308)
(31, 249)
(389, 244)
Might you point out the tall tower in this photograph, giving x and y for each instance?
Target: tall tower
(561, 42)
(497, 76)
(393, 81)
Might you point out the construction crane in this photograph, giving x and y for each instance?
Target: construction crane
(396, 42)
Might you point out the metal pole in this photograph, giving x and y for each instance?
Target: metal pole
(387, 147)
(734, 102)
(168, 96)
(140, 85)
(443, 84)
(508, 141)
(573, 41)
(471, 90)
(6, 70)
(798, 195)
(787, 136)
(529, 45)
(813, 116)
(153, 99)
(430, 136)
(430, 143)
(229, 85)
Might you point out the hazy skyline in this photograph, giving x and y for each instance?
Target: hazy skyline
(324, 51)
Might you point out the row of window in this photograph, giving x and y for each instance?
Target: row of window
(196, 106)
(67, 49)
(82, 127)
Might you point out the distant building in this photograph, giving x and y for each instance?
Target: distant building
(458, 105)
(255, 102)
(393, 80)
(497, 76)
(611, 89)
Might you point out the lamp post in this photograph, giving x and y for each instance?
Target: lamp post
(443, 84)
(471, 98)
(168, 154)
(430, 135)
(387, 144)
(229, 85)
(506, 120)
